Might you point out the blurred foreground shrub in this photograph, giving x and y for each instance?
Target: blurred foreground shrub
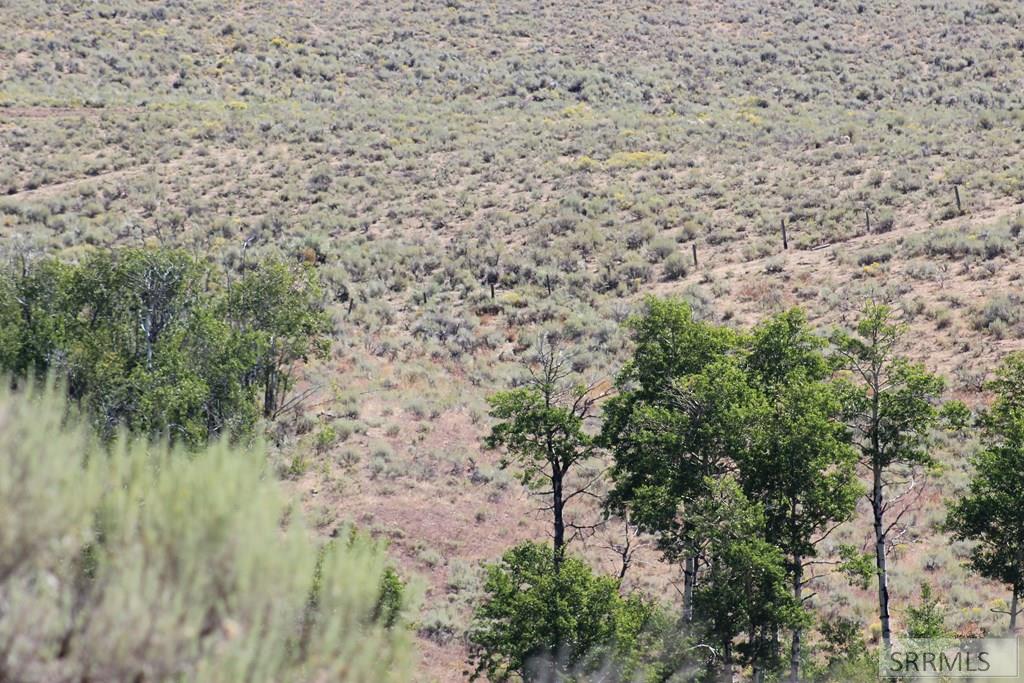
(131, 562)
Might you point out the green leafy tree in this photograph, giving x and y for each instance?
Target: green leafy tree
(804, 469)
(539, 622)
(128, 320)
(278, 310)
(542, 426)
(892, 406)
(150, 339)
(991, 514)
(33, 301)
(846, 656)
(669, 343)
(763, 407)
(677, 420)
(745, 588)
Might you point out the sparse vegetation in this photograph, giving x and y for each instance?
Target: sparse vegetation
(339, 230)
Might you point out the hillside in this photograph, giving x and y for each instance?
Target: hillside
(465, 175)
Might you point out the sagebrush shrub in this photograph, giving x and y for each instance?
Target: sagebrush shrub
(139, 561)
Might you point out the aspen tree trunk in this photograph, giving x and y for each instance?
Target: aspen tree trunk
(558, 504)
(877, 502)
(794, 651)
(1014, 610)
(689, 580)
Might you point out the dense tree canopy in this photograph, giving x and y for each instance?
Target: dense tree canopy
(700, 406)
(677, 420)
(991, 514)
(803, 468)
(157, 341)
(744, 588)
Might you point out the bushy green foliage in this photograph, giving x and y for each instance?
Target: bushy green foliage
(892, 407)
(539, 622)
(802, 468)
(157, 341)
(754, 423)
(846, 657)
(991, 514)
(744, 588)
(130, 561)
(927, 619)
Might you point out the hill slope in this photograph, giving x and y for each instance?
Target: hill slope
(570, 154)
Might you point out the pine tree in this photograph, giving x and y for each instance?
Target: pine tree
(926, 620)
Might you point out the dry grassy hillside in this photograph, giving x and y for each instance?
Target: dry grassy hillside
(568, 153)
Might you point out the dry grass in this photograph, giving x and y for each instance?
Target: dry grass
(565, 150)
